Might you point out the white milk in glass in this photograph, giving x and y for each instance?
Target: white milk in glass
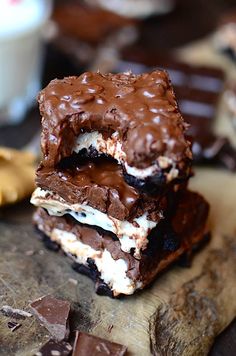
(21, 23)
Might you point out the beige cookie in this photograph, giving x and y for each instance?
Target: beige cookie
(17, 175)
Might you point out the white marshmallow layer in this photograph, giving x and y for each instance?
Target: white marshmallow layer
(113, 272)
(113, 147)
(131, 235)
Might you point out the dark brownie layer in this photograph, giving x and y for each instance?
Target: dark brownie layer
(100, 184)
(140, 109)
(174, 236)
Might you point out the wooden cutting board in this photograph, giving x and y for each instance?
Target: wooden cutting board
(180, 314)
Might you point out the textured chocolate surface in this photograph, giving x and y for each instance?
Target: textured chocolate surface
(53, 348)
(141, 108)
(86, 344)
(173, 236)
(53, 313)
(198, 90)
(101, 184)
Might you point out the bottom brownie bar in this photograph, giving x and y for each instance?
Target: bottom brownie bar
(98, 253)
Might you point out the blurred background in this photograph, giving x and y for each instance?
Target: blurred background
(41, 40)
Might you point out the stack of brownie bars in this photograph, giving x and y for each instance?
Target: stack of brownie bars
(112, 184)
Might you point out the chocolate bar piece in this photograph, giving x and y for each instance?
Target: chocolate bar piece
(99, 254)
(86, 344)
(95, 193)
(133, 118)
(53, 348)
(53, 313)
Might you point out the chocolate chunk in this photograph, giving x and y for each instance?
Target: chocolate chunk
(53, 314)
(86, 344)
(53, 348)
(13, 326)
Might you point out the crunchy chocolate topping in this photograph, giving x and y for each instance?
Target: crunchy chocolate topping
(141, 108)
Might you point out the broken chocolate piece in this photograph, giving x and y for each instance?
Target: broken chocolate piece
(53, 314)
(53, 348)
(13, 326)
(86, 344)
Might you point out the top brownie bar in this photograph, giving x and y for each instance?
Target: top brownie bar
(133, 118)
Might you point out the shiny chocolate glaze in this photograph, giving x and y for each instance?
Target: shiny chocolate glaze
(101, 184)
(142, 109)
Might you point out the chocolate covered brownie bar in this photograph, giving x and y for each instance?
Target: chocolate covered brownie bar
(112, 183)
(99, 254)
(95, 193)
(133, 118)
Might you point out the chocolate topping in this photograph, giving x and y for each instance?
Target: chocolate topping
(86, 344)
(142, 109)
(198, 91)
(101, 184)
(53, 314)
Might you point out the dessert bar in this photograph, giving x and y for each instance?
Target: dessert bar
(112, 184)
(133, 118)
(101, 253)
